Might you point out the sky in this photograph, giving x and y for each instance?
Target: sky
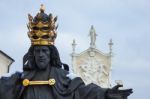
(127, 22)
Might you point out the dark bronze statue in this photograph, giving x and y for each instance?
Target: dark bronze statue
(43, 76)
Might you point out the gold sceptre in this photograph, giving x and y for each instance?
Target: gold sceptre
(50, 82)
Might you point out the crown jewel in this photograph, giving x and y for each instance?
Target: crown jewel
(42, 29)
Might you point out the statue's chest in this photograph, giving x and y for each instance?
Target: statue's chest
(38, 92)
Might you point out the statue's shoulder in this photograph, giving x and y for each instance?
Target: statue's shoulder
(9, 75)
(59, 71)
(11, 78)
(10, 85)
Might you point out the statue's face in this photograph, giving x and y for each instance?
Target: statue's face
(42, 56)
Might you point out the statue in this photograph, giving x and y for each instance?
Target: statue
(44, 76)
(92, 35)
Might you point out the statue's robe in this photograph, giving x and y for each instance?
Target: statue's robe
(64, 88)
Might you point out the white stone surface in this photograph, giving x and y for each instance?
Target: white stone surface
(4, 63)
(92, 35)
(93, 67)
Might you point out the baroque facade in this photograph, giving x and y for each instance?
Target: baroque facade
(92, 65)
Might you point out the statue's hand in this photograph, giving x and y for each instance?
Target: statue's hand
(115, 93)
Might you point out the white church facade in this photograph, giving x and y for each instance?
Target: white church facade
(92, 65)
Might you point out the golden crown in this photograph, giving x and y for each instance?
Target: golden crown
(42, 29)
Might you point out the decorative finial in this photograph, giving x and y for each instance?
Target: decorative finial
(42, 9)
(110, 46)
(73, 46)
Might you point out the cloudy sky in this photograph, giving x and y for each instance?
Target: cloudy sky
(127, 22)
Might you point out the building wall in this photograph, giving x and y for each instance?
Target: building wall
(4, 64)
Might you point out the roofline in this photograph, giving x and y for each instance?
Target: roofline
(7, 56)
(105, 54)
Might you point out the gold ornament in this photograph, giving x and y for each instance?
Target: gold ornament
(26, 82)
(42, 29)
(50, 82)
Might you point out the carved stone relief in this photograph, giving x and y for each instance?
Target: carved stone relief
(93, 71)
